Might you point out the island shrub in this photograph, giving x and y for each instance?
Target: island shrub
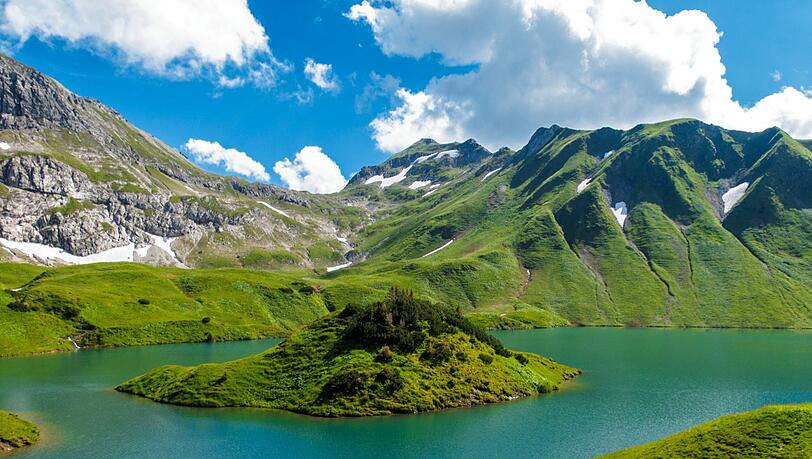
(346, 381)
(143, 301)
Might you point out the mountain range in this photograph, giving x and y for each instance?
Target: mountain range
(678, 223)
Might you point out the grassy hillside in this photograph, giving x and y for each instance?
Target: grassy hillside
(15, 432)
(772, 431)
(131, 304)
(401, 355)
(540, 237)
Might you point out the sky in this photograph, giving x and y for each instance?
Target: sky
(303, 94)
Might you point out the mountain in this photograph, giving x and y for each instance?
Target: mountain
(400, 355)
(678, 223)
(778, 431)
(671, 224)
(80, 184)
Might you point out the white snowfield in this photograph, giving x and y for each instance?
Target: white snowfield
(438, 249)
(400, 176)
(419, 184)
(491, 173)
(608, 154)
(621, 212)
(46, 252)
(124, 253)
(581, 186)
(4, 146)
(429, 193)
(274, 209)
(337, 267)
(449, 153)
(342, 240)
(734, 195)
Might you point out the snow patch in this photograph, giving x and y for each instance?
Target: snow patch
(46, 252)
(4, 146)
(581, 186)
(491, 173)
(608, 154)
(734, 195)
(419, 184)
(374, 179)
(429, 193)
(163, 243)
(400, 176)
(621, 212)
(274, 209)
(343, 240)
(438, 249)
(449, 153)
(337, 267)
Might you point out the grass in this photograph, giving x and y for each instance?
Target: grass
(398, 356)
(71, 207)
(777, 431)
(122, 304)
(15, 432)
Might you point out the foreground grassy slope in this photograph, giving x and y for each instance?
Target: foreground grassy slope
(15, 432)
(772, 431)
(401, 355)
(131, 304)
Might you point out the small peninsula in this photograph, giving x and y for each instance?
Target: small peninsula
(776, 431)
(15, 432)
(400, 355)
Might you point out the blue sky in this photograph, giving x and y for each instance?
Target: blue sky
(759, 38)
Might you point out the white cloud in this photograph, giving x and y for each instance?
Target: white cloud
(311, 170)
(321, 75)
(232, 160)
(776, 75)
(579, 63)
(182, 39)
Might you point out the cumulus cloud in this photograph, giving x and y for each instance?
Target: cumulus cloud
(321, 75)
(584, 64)
(311, 170)
(182, 39)
(230, 159)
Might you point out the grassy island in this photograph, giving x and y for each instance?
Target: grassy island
(15, 432)
(772, 431)
(400, 355)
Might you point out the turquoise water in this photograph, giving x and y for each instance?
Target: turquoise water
(638, 385)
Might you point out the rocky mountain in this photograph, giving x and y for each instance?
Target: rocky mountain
(81, 184)
(678, 223)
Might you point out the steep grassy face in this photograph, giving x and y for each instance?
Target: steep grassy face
(773, 431)
(661, 225)
(15, 432)
(401, 355)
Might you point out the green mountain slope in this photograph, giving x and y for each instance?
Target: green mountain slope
(544, 230)
(773, 431)
(397, 356)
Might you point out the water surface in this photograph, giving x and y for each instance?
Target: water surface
(638, 385)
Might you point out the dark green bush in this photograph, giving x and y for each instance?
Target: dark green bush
(143, 301)
(346, 381)
(206, 320)
(486, 358)
(521, 358)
